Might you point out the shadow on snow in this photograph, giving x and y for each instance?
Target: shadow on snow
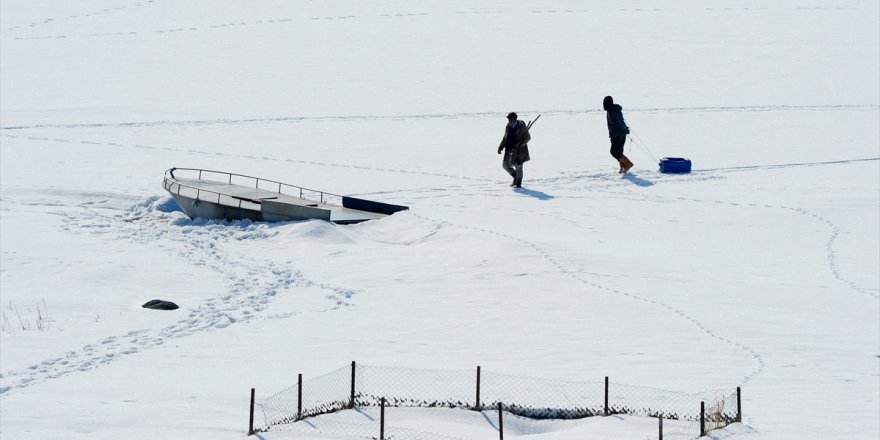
(534, 193)
(637, 180)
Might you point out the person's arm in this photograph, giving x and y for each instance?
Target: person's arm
(526, 136)
(618, 120)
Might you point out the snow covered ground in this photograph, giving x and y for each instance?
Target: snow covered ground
(759, 269)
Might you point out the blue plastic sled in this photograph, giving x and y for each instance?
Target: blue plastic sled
(675, 165)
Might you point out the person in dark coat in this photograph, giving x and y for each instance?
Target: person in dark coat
(617, 131)
(515, 147)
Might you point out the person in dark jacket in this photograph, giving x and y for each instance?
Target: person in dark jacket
(515, 147)
(617, 131)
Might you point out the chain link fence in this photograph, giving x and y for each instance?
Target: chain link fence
(324, 394)
(540, 398)
(687, 416)
(720, 410)
(404, 387)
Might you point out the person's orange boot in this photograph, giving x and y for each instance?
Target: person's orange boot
(625, 163)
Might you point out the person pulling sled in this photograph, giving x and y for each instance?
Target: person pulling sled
(515, 147)
(617, 131)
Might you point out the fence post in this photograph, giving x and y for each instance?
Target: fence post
(251, 422)
(739, 410)
(500, 423)
(299, 397)
(477, 406)
(606, 395)
(382, 421)
(351, 404)
(661, 427)
(702, 419)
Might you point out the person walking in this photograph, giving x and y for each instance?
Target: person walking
(617, 131)
(515, 147)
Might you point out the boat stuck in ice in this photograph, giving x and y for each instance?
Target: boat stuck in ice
(222, 195)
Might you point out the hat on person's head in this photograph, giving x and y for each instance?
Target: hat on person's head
(607, 102)
(511, 115)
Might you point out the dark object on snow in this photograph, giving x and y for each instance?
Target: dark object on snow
(371, 206)
(158, 304)
(675, 165)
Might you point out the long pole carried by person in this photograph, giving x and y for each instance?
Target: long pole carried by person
(532, 122)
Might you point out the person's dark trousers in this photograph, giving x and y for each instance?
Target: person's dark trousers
(514, 169)
(617, 151)
(617, 144)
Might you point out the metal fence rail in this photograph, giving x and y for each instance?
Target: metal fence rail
(171, 184)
